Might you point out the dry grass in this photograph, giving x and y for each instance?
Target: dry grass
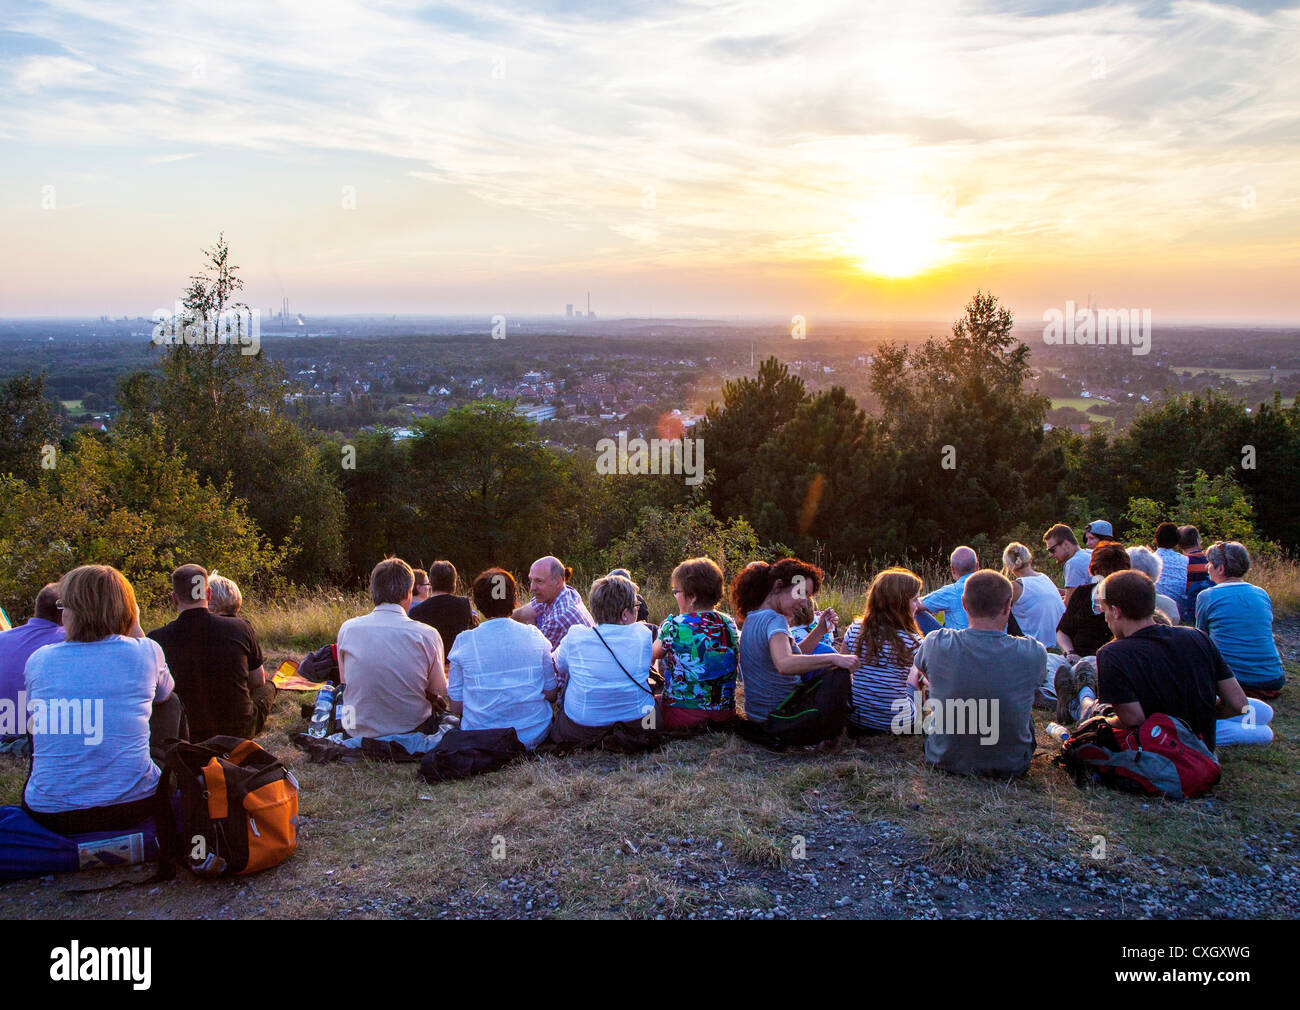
(1281, 580)
(600, 835)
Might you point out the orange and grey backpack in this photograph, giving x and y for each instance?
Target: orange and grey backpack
(239, 808)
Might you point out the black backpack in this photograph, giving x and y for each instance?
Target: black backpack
(462, 753)
(321, 665)
(814, 711)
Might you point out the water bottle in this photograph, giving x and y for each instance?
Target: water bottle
(320, 718)
(1059, 732)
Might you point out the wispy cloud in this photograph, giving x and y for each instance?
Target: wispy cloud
(713, 134)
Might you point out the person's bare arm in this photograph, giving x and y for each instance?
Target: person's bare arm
(256, 678)
(658, 651)
(1232, 699)
(791, 664)
(1067, 644)
(1067, 594)
(1017, 590)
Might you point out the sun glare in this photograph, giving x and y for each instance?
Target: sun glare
(899, 238)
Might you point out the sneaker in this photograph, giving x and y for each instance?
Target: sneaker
(1085, 675)
(1065, 691)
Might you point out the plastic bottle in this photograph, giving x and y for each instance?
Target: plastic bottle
(320, 718)
(1058, 732)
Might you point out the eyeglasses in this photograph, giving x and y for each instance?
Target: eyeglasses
(1053, 548)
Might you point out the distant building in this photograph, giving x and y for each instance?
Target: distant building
(568, 310)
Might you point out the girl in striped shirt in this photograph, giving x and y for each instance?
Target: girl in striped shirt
(885, 639)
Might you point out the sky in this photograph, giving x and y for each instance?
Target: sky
(846, 160)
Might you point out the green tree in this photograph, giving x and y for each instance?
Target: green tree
(28, 424)
(822, 479)
(968, 432)
(752, 410)
(225, 410)
(487, 490)
(131, 503)
(1217, 506)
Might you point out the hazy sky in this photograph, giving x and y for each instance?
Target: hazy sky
(846, 159)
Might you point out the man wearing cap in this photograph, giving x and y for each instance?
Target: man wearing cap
(1097, 531)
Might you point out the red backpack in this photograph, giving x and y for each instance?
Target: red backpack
(1162, 757)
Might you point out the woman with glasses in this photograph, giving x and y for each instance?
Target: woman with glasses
(1238, 617)
(698, 647)
(91, 698)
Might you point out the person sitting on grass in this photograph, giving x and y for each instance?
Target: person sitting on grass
(501, 673)
(420, 591)
(605, 667)
(981, 684)
(1149, 668)
(392, 667)
(698, 648)
(1238, 617)
(556, 606)
(769, 596)
(217, 662)
(1035, 601)
(642, 608)
(441, 608)
(224, 597)
(1198, 570)
(1173, 571)
(1143, 560)
(44, 627)
(1081, 631)
(946, 600)
(1066, 552)
(100, 777)
(885, 640)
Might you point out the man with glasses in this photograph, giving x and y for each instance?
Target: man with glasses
(1065, 551)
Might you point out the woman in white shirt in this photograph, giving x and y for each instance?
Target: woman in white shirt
(606, 666)
(500, 674)
(1035, 601)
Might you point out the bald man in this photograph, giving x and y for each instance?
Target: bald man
(555, 606)
(946, 600)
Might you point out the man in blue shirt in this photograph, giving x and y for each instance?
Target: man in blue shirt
(946, 600)
(16, 645)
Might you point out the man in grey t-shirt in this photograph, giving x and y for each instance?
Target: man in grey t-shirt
(981, 683)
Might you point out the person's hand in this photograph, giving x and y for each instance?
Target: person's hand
(829, 620)
(849, 663)
(1072, 658)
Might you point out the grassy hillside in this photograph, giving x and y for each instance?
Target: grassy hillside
(716, 827)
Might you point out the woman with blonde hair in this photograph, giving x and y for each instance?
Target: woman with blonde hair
(1035, 601)
(885, 639)
(92, 697)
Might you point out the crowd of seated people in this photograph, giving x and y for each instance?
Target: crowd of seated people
(961, 665)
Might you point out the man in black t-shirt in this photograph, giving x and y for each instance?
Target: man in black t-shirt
(216, 662)
(449, 614)
(1152, 668)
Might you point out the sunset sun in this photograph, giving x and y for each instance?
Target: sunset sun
(898, 238)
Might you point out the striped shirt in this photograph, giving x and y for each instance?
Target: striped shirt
(880, 691)
(554, 619)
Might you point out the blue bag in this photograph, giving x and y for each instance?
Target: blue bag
(29, 850)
